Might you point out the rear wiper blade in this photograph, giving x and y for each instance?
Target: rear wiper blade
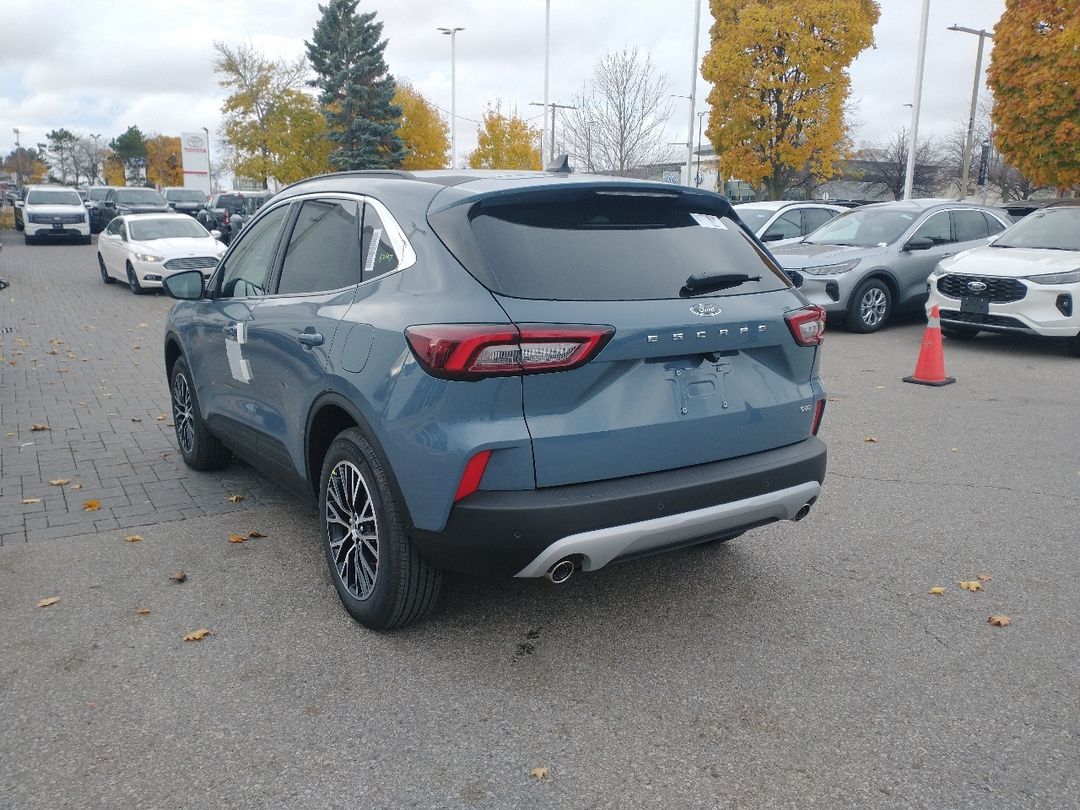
(701, 283)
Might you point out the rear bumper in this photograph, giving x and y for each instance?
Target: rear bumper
(523, 533)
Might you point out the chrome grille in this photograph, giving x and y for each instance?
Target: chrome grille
(192, 263)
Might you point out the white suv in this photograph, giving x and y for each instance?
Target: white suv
(54, 211)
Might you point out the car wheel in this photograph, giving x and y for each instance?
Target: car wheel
(381, 580)
(86, 239)
(18, 225)
(1074, 345)
(104, 273)
(200, 449)
(871, 306)
(958, 332)
(133, 281)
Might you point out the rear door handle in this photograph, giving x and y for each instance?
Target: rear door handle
(309, 338)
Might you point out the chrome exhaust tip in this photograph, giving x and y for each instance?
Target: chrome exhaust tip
(803, 512)
(561, 571)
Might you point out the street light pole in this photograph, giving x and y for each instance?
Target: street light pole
(95, 137)
(920, 61)
(697, 172)
(452, 33)
(547, 60)
(18, 159)
(209, 169)
(983, 36)
(693, 92)
(553, 107)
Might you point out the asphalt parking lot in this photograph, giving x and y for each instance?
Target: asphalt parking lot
(800, 665)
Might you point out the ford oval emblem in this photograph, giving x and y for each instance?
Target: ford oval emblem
(705, 310)
(976, 286)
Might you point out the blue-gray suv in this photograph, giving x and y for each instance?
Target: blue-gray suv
(514, 374)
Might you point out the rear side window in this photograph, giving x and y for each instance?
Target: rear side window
(814, 218)
(379, 255)
(969, 225)
(993, 224)
(324, 249)
(603, 246)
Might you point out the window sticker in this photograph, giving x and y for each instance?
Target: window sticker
(709, 221)
(373, 251)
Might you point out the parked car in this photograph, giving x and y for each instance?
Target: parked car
(228, 211)
(53, 212)
(514, 375)
(133, 200)
(870, 261)
(786, 219)
(1026, 280)
(17, 203)
(95, 206)
(143, 249)
(188, 201)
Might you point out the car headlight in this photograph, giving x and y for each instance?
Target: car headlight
(148, 257)
(831, 269)
(1071, 277)
(938, 272)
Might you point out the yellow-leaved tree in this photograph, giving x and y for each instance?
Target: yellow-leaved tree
(164, 163)
(505, 142)
(1035, 75)
(422, 129)
(780, 81)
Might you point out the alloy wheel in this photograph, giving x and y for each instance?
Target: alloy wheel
(183, 414)
(872, 306)
(352, 530)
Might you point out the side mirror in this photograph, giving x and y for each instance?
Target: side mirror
(773, 236)
(919, 243)
(185, 286)
(18, 203)
(215, 233)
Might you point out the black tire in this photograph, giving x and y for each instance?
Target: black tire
(104, 273)
(28, 239)
(958, 332)
(1074, 345)
(133, 281)
(200, 449)
(403, 587)
(86, 240)
(18, 225)
(871, 306)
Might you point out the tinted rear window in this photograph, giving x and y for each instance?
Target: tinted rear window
(604, 246)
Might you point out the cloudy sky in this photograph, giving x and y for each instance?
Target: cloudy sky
(100, 65)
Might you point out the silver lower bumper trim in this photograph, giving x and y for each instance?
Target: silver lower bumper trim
(600, 546)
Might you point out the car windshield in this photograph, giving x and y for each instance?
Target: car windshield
(53, 197)
(139, 196)
(146, 230)
(1052, 229)
(98, 193)
(754, 217)
(866, 227)
(184, 195)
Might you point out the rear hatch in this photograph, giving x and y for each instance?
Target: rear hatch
(686, 378)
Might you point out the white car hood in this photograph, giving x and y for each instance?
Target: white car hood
(53, 210)
(1012, 262)
(181, 247)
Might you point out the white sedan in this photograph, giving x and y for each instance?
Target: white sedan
(141, 249)
(1027, 280)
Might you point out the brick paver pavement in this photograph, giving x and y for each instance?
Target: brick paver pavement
(85, 360)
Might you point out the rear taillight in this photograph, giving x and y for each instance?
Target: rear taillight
(225, 216)
(807, 325)
(474, 351)
(819, 411)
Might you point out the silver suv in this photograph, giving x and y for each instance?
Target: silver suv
(873, 260)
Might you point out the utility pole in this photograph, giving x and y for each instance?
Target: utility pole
(693, 92)
(18, 159)
(209, 168)
(554, 107)
(452, 33)
(920, 61)
(983, 36)
(95, 137)
(697, 172)
(547, 62)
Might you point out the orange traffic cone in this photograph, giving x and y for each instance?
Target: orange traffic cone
(930, 367)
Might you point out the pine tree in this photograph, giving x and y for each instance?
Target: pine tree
(356, 91)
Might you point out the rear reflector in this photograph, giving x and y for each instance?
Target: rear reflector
(474, 472)
(474, 351)
(807, 325)
(819, 411)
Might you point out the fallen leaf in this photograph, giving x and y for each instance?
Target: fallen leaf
(253, 535)
(134, 538)
(237, 538)
(161, 417)
(870, 440)
(984, 577)
(9, 435)
(178, 577)
(835, 399)
(91, 505)
(144, 325)
(136, 346)
(76, 486)
(52, 351)
(955, 450)
(235, 498)
(164, 456)
(48, 600)
(35, 428)
(143, 611)
(136, 419)
(60, 482)
(880, 387)
(169, 424)
(937, 591)
(1000, 621)
(197, 635)
(970, 585)
(540, 774)
(31, 500)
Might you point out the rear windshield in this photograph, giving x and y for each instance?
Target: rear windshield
(604, 246)
(233, 202)
(183, 195)
(139, 195)
(99, 193)
(51, 197)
